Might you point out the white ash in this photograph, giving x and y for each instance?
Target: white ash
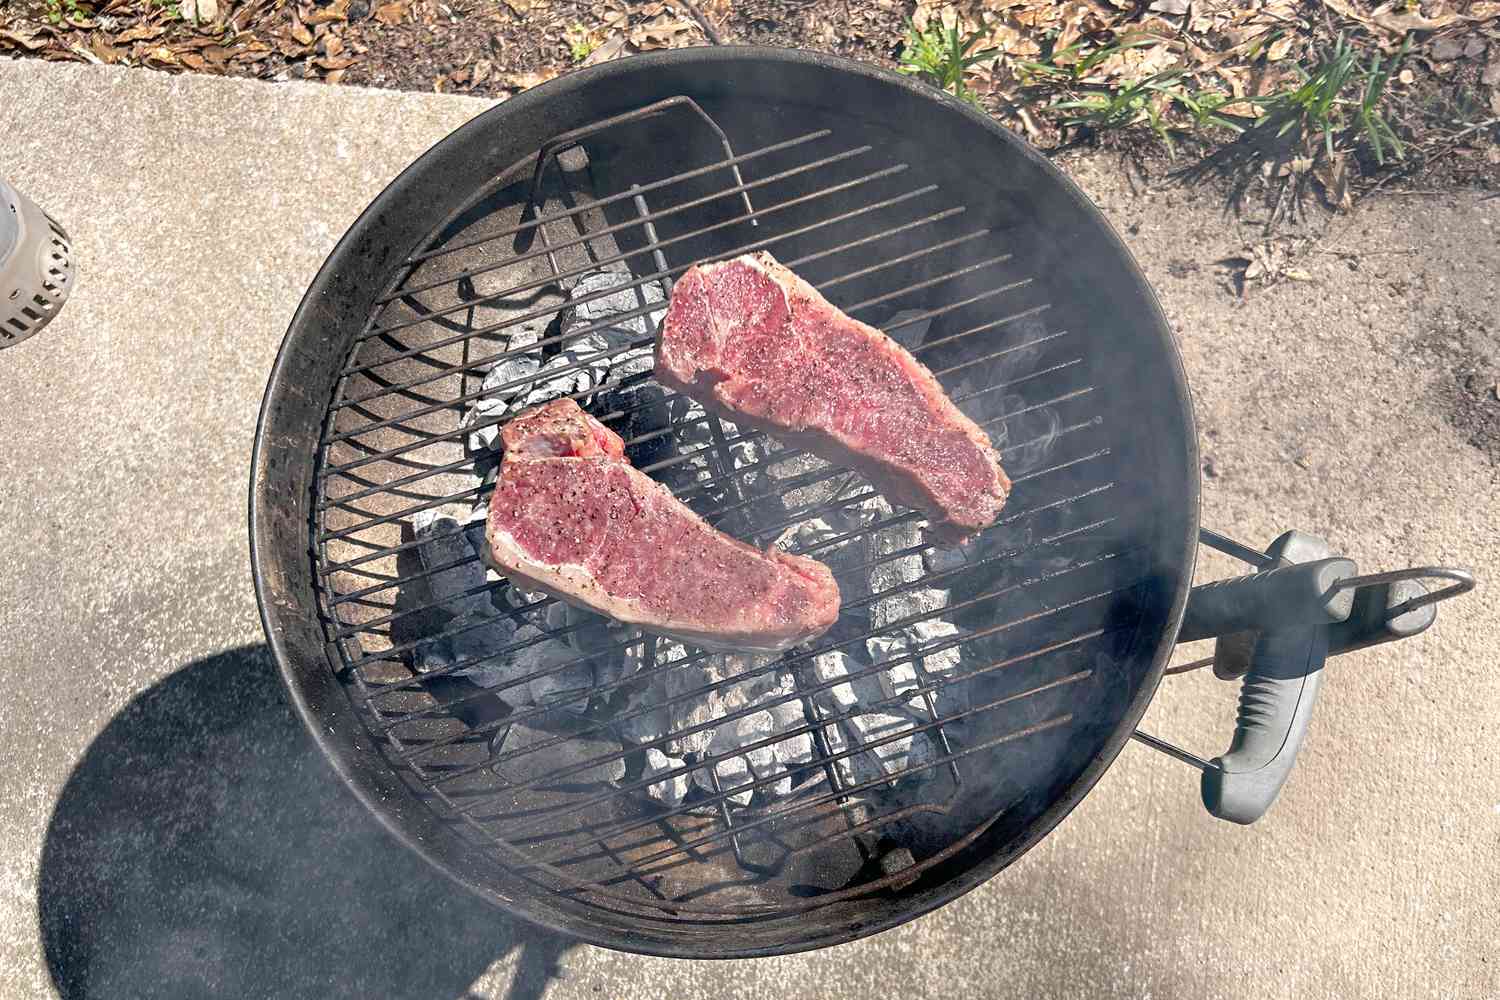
(903, 606)
(579, 315)
(670, 791)
(837, 698)
(849, 558)
(913, 639)
(499, 397)
(793, 751)
(952, 697)
(766, 766)
(703, 707)
(906, 747)
(732, 773)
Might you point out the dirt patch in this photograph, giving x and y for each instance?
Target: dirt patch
(1465, 351)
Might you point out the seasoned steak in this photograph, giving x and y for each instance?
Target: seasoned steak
(748, 338)
(571, 517)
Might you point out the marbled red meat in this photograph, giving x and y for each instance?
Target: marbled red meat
(571, 517)
(751, 340)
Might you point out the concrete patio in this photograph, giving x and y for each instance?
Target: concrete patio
(169, 832)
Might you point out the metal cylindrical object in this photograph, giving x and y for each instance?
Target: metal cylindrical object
(36, 267)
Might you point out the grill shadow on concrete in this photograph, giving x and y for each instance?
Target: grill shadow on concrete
(202, 847)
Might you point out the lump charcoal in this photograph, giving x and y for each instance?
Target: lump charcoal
(616, 335)
(644, 415)
(539, 764)
(946, 559)
(564, 374)
(443, 541)
(837, 743)
(937, 632)
(669, 791)
(742, 732)
(556, 686)
(648, 293)
(433, 654)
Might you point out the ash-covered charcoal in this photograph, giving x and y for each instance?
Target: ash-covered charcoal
(941, 665)
(671, 790)
(916, 637)
(579, 314)
(947, 558)
(567, 374)
(898, 678)
(449, 550)
(518, 764)
(766, 766)
(837, 743)
(797, 750)
(903, 606)
(838, 697)
(903, 746)
(732, 773)
(499, 398)
(849, 558)
(457, 578)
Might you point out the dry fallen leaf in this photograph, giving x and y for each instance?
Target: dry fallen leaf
(1415, 22)
(481, 71)
(23, 38)
(300, 31)
(392, 14)
(336, 11)
(1278, 49)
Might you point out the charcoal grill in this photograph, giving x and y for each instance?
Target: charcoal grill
(908, 210)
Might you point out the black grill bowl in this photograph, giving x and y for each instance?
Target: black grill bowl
(1040, 325)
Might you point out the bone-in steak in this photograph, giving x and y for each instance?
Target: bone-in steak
(750, 339)
(571, 517)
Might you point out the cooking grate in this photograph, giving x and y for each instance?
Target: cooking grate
(1039, 594)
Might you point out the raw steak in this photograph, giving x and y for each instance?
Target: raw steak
(571, 517)
(750, 339)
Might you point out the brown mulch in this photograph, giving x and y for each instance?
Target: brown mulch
(1241, 49)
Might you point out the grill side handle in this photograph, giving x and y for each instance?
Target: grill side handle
(1283, 675)
(1275, 629)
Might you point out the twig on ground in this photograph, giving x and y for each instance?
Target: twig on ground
(710, 30)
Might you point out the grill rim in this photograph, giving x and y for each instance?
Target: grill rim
(322, 703)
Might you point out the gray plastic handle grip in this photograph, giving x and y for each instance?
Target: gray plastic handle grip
(1276, 703)
(1300, 593)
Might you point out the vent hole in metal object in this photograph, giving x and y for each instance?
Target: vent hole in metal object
(653, 796)
(36, 267)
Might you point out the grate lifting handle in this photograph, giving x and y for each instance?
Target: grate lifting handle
(1274, 629)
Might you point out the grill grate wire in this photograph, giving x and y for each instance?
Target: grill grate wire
(347, 551)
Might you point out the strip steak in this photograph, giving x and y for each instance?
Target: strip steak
(751, 340)
(570, 516)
